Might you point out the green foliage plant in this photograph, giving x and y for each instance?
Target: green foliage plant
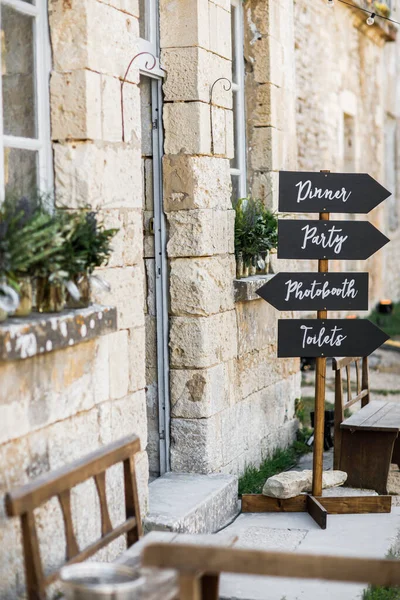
(255, 228)
(89, 245)
(31, 238)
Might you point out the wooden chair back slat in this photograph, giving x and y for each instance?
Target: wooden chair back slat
(51, 484)
(35, 580)
(22, 502)
(194, 560)
(131, 499)
(365, 381)
(90, 550)
(348, 383)
(358, 377)
(362, 393)
(72, 545)
(100, 480)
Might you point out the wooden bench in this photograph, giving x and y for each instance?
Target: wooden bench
(23, 501)
(367, 442)
(199, 564)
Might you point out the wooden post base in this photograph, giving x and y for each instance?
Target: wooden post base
(318, 507)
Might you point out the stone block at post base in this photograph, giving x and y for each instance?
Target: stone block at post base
(292, 483)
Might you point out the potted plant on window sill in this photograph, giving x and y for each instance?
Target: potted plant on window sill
(88, 247)
(255, 236)
(28, 238)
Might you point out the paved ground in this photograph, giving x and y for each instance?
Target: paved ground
(346, 535)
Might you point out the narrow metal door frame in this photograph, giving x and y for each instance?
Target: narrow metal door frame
(161, 279)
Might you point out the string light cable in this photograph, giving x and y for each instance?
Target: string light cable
(371, 15)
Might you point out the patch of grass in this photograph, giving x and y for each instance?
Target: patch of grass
(252, 481)
(383, 593)
(389, 323)
(383, 392)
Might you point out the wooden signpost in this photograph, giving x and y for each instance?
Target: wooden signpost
(324, 193)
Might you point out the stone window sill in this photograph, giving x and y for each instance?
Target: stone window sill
(42, 333)
(245, 289)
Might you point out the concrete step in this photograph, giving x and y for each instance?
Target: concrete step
(192, 503)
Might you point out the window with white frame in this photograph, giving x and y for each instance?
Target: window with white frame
(149, 37)
(238, 163)
(26, 161)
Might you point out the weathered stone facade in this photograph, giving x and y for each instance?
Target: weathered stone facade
(320, 94)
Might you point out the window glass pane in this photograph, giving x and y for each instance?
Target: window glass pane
(233, 34)
(235, 159)
(20, 170)
(17, 63)
(144, 19)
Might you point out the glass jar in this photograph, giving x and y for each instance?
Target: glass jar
(82, 282)
(25, 297)
(50, 296)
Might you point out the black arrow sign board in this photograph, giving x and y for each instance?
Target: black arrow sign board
(328, 337)
(328, 239)
(317, 291)
(329, 192)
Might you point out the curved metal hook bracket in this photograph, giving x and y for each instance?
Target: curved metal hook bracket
(149, 67)
(227, 87)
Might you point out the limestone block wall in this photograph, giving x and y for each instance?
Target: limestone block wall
(343, 84)
(232, 401)
(60, 406)
(392, 168)
(270, 95)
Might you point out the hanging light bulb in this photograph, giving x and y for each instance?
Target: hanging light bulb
(330, 3)
(371, 19)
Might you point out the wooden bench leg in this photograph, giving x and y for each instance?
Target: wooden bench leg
(210, 587)
(396, 452)
(366, 456)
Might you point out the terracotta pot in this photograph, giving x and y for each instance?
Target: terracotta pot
(82, 282)
(50, 297)
(25, 297)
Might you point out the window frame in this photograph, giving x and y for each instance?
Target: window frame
(151, 45)
(238, 92)
(42, 67)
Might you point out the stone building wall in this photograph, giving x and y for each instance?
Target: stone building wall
(59, 406)
(232, 399)
(343, 85)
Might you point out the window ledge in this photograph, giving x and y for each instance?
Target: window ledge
(42, 333)
(245, 289)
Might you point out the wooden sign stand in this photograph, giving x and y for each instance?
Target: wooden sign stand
(315, 504)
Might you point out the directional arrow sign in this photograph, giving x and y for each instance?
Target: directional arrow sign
(329, 192)
(328, 239)
(328, 337)
(317, 291)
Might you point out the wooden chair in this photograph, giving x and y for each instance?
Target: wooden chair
(22, 502)
(193, 563)
(365, 443)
